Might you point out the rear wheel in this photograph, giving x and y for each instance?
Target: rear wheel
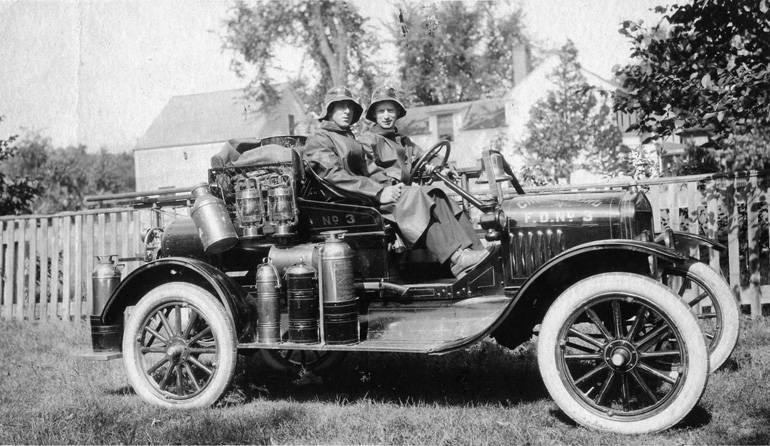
(179, 347)
(713, 304)
(619, 352)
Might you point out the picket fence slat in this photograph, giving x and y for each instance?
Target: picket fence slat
(693, 211)
(10, 270)
(18, 309)
(32, 262)
(77, 264)
(53, 304)
(732, 196)
(712, 214)
(44, 243)
(67, 269)
(654, 197)
(753, 196)
(88, 239)
(3, 264)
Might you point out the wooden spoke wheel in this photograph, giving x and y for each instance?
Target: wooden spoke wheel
(713, 304)
(179, 347)
(620, 352)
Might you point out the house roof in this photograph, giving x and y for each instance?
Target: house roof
(219, 116)
(476, 115)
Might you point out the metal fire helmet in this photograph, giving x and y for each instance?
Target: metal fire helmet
(212, 220)
(337, 268)
(249, 207)
(268, 304)
(281, 204)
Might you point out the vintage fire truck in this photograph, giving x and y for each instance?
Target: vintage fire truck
(275, 261)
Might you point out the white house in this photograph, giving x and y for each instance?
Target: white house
(177, 148)
(471, 126)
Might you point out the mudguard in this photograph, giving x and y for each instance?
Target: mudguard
(536, 295)
(181, 269)
(685, 240)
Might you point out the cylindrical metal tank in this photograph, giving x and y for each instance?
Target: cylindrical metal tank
(180, 238)
(268, 305)
(337, 268)
(105, 279)
(302, 296)
(215, 228)
(341, 322)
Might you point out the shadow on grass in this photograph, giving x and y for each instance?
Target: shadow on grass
(698, 417)
(122, 391)
(483, 374)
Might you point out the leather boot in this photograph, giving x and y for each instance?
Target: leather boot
(463, 260)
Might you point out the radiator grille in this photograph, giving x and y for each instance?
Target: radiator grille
(531, 249)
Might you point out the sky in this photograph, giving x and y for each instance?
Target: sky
(98, 72)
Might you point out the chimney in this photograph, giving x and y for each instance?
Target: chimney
(521, 65)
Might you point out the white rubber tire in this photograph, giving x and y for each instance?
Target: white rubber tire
(725, 306)
(190, 299)
(690, 384)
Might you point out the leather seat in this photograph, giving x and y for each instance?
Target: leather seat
(329, 192)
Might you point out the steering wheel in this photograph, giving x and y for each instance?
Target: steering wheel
(419, 165)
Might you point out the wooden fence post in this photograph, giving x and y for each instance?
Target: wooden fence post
(10, 270)
(3, 267)
(732, 196)
(654, 197)
(693, 213)
(674, 222)
(754, 200)
(18, 311)
(32, 262)
(77, 269)
(67, 269)
(53, 305)
(44, 270)
(712, 225)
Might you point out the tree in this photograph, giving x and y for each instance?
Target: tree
(449, 52)
(67, 175)
(329, 33)
(706, 65)
(18, 193)
(574, 120)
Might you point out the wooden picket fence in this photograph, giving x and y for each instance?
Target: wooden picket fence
(46, 260)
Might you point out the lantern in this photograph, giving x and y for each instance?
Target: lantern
(249, 207)
(281, 204)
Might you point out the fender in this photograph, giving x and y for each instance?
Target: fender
(685, 240)
(182, 269)
(536, 295)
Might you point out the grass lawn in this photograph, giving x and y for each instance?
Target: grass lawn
(484, 395)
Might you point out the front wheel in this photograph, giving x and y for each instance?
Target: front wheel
(179, 347)
(620, 352)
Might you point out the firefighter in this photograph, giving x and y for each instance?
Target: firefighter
(423, 219)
